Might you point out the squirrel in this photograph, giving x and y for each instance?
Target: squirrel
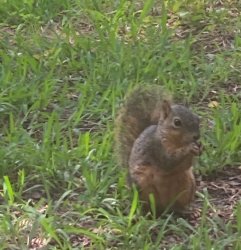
(158, 140)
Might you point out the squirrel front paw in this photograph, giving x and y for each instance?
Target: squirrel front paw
(196, 148)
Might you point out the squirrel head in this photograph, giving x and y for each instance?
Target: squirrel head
(178, 125)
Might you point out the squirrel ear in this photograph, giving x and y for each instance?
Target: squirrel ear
(166, 109)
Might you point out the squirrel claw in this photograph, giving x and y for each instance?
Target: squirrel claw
(196, 148)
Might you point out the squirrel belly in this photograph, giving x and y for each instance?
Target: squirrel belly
(175, 191)
(158, 141)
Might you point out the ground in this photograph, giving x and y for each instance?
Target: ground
(65, 69)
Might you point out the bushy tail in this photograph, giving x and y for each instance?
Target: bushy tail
(141, 109)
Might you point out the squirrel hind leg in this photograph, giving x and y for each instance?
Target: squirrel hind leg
(142, 177)
(146, 202)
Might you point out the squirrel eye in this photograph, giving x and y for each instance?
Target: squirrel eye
(177, 122)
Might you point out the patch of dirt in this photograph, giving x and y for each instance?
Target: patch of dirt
(224, 190)
(7, 34)
(212, 30)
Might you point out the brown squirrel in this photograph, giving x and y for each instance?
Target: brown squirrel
(158, 141)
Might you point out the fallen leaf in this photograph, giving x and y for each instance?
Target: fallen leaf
(213, 104)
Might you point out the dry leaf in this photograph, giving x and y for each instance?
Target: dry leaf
(213, 104)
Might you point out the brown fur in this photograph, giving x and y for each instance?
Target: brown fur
(172, 187)
(176, 189)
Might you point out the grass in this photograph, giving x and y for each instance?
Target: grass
(65, 68)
